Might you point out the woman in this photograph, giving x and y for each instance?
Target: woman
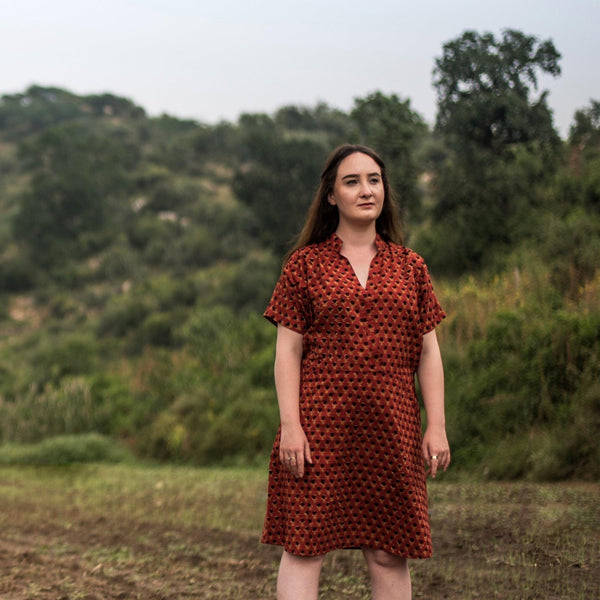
(355, 314)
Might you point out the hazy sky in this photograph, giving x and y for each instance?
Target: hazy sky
(214, 60)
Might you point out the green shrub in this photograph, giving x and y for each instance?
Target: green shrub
(18, 274)
(171, 195)
(65, 409)
(178, 432)
(250, 285)
(123, 314)
(120, 263)
(65, 450)
(507, 460)
(62, 356)
(245, 430)
(158, 330)
(194, 248)
(116, 411)
(167, 439)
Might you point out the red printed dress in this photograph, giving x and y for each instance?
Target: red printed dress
(358, 405)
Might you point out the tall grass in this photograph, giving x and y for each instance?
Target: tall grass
(522, 364)
(66, 409)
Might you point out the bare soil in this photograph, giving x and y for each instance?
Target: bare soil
(509, 542)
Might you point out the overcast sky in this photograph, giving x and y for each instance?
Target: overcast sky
(215, 60)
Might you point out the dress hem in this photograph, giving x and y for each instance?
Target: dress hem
(294, 552)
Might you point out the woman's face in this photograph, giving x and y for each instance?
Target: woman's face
(358, 190)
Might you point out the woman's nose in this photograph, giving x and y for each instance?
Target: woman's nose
(365, 189)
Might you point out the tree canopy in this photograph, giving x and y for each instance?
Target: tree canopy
(485, 88)
(137, 255)
(499, 141)
(395, 130)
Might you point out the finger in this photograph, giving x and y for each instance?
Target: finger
(434, 465)
(295, 465)
(307, 454)
(443, 459)
(300, 465)
(426, 455)
(447, 461)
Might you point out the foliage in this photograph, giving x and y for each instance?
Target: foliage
(522, 393)
(224, 411)
(70, 205)
(66, 409)
(65, 450)
(585, 130)
(137, 255)
(584, 142)
(484, 85)
(277, 180)
(500, 145)
(391, 126)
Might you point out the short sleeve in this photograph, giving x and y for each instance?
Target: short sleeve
(289, 305)
(430, 311)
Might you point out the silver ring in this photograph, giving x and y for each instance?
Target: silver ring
(434, 457)
(291, 458)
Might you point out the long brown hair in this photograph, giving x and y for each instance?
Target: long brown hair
(322, 219)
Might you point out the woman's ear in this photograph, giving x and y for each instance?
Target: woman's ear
(331, 199)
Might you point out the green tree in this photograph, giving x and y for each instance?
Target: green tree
(580, 183)
(389, 125)
(500, 146)
(77, 176)
(484, 87)
(35, 109)
(277, 179)
(330, 123)
(585, 130)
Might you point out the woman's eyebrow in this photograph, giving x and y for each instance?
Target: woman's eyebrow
(376, 174)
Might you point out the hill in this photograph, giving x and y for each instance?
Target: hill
(137, 255)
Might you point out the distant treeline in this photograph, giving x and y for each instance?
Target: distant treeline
(137, 255)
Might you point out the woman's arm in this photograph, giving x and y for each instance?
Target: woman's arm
(293, 444)
(431, 381)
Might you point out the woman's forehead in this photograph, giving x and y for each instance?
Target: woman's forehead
(357, 163)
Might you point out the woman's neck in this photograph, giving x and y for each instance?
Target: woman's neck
(357, 237)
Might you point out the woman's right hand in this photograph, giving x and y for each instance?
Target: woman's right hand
(294, 450)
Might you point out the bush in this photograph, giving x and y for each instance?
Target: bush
(68, 355)
(245, 430)
(207, 426)
(158, 330)
(120, 262)
(65, 450)
(65, 409)
(124, 314)
(18, 274)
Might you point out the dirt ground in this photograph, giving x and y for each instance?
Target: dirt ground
(51, 552)
(72, 562)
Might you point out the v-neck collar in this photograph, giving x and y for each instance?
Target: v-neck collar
(334, 243)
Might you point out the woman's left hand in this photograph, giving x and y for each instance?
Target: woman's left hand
(436, 450)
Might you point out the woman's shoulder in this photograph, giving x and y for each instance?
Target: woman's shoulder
(405, 255)
(312, 251)
(303, 259)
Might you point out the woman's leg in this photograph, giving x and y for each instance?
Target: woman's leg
(390, 578)
(299, 577)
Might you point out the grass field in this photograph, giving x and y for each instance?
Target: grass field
(134, 532)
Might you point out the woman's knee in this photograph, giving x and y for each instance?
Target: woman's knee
(303, 561)
(382, 559)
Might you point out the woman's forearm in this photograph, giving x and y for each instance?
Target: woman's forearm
(431, 381)
(288, 357)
